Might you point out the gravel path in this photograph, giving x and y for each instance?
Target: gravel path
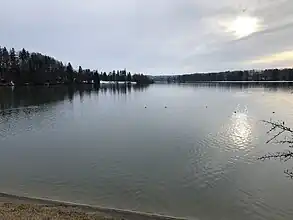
(36, 212)
(22, 208)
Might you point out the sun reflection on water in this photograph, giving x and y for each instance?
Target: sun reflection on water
(240, 130)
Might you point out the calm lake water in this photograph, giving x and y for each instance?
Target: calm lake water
(120, 147)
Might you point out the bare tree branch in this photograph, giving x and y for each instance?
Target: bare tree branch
(272, 129)
(284, 142)
(283, 156)
(280, 125)
(273, 138)
(280, 128)
(290, 143)
(289, 173)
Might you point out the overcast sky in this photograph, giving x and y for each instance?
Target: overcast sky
(153, 36)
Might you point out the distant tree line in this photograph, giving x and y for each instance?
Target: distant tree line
(25, 68)
(247, 75)
(124, 76)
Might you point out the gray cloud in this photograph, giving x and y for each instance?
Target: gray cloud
(164, 36)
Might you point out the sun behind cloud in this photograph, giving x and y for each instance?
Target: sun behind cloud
(242, 26)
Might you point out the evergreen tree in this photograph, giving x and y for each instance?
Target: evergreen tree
(129, 77)
(105, 77)
(80, 70)
(96, 78)
(123, 75)
(69, 71)
(1, 65)
(114, 75)
(5, 60)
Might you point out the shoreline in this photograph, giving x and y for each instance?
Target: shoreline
(6, 198)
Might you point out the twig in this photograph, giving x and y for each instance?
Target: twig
(278, 125)
(283, 156)
(273, 138)
(289, 173)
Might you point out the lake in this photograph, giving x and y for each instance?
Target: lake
(180, 150)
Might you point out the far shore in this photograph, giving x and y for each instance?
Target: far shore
(18, 207)
(11, 84)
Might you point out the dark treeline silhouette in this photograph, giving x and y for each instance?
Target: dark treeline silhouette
(25, 68)
(246, 75)
(124, 76)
